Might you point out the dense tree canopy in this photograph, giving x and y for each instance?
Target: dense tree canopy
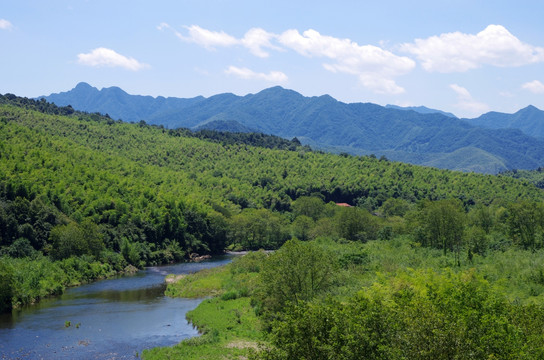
(79, 185)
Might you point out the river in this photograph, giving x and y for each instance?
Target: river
(108, 319)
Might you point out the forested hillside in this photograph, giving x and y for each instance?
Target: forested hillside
(84, 196)
(534, 176)
(430, 139)
(530, 120)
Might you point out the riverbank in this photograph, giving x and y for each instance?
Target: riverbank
(227, 322)
(118, 318)
(26, 281)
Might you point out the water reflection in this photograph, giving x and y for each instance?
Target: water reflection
(115, 318)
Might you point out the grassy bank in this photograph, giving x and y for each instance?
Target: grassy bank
(25, 281)
(230, 330)
(229, 326)
(390, 279)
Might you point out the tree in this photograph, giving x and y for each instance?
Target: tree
(356, 224)
(76, 240)
(525, 222)
(301, 227)
(298, 271)
(482, 217)
(443, 222)
(255, 229)
(309, 206)
(395, 207)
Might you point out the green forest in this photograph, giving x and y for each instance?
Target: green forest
(422, 264)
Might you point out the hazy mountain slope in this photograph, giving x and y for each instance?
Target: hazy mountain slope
(117, 103)
(530, 120)
(420, 109)
(358, 128)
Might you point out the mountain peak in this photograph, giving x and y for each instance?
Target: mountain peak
(529, 108)
(83, 86)
(114, 90)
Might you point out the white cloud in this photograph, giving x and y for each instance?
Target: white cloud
(375, 67)
(466, 103)
(534, 86)
(5, 25)
(459, 52)
(207, 38)
(256, 39)
(106, 57)
(461, 91)
(248, 74)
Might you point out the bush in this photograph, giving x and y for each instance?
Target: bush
(413, 315)
(20, 248)
(297, 271)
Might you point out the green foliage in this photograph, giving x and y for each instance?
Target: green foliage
(414, 315)
(6, 292)
(255, 229)
(75, 240)
(297, 271)
(229, 330)
(130, 252)
(309, 206)
(207, 282)
(395, 207)
(380, 307)
(442, 223)
(237, 279)
(439, 140)
(535, 177)
(526, 224)
(252, 262)
(24, 282)
(301, 227)
(356, 224)
(83, 185)
(20, 248)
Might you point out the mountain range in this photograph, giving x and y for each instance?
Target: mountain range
(416, 135)
(530, 120)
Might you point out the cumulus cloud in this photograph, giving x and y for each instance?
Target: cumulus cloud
(248, 74)
(255, 39)
(467, 103)
(106, 57)
(375, 67)
(5, 25)
(459, 52)
(207, 38)
(534, 86)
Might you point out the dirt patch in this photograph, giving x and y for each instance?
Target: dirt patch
(170, 279)
(242, 344)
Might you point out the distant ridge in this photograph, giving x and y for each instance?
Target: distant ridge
(530, 120)
(421, 110)
(117, 103)
(432, 139)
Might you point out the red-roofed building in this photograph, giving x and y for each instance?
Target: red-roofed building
(343, 204)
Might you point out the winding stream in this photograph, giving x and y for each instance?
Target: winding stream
(109, 319)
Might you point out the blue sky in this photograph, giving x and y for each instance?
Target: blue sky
(466, 57)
